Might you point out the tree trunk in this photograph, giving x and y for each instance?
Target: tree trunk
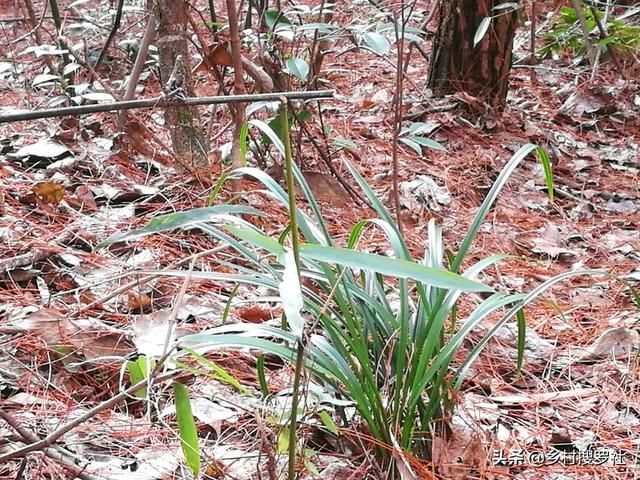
(481, 70)
(183, 122)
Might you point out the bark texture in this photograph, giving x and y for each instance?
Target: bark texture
(183, 122)
(481, 70)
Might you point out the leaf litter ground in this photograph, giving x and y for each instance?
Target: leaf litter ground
(70, 314)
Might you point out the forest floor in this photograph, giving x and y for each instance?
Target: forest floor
(70, 314)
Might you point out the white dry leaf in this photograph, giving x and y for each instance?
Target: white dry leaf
(150, 333)
(155, 463)
(403, 466)
(208, 412)
(291, 295)
(617, 342)
(423, 192)
(46, 148)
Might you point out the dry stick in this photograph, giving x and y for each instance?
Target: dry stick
(532, 44)
(55, 12)
(36, 31)
(397, 115)
(160, 102)
(212, 70)
(238, 86)
(138, 66)
(603, 36)
(425, 23)
(267, 446)
(112, 33)
(49, 439)
(55, 453)
(577, 6)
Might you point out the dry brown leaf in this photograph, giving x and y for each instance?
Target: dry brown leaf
(254, 313)
(137, 301)
(50, 192)
(216, 55)
(89, 337)
(85, 198)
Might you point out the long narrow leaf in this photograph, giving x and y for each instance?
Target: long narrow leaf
(187, 428)
(172, 221)
(391, 266)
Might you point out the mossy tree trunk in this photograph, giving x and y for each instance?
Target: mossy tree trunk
(481, 70)
(183, 122)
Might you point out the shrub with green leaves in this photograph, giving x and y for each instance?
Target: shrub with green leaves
(375, 329)
(566, 34)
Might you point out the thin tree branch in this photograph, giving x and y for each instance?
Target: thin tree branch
(160, 102)
(55, 453)
(51, 438)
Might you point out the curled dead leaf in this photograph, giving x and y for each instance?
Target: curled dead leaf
(218, 55)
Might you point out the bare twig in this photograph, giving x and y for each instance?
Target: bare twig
(138, 65)
(55, 453)
(35, 29)
(577, 6)
(53, 437)
(55, 12)
(112, 33)
(160, 102)
(603, 36)
(238, 85)
(397, 109)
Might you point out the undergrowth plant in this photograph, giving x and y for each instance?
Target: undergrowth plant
(567, 34)
(373, 328)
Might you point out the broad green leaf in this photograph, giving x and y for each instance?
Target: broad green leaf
(187, 428)
(411, 144)
(427, 142)
(342, 142)
(137, 370)
(270, 106)
(506, 5)
(482, 30)
(391, 266)
(274, 17)
(298, 68)
(328, 422)
(377, 43)
(45, 79)
(317, 27)
(283, 441)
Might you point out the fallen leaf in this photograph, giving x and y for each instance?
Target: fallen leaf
(216, 54)
(50, 192)
(615, 342)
